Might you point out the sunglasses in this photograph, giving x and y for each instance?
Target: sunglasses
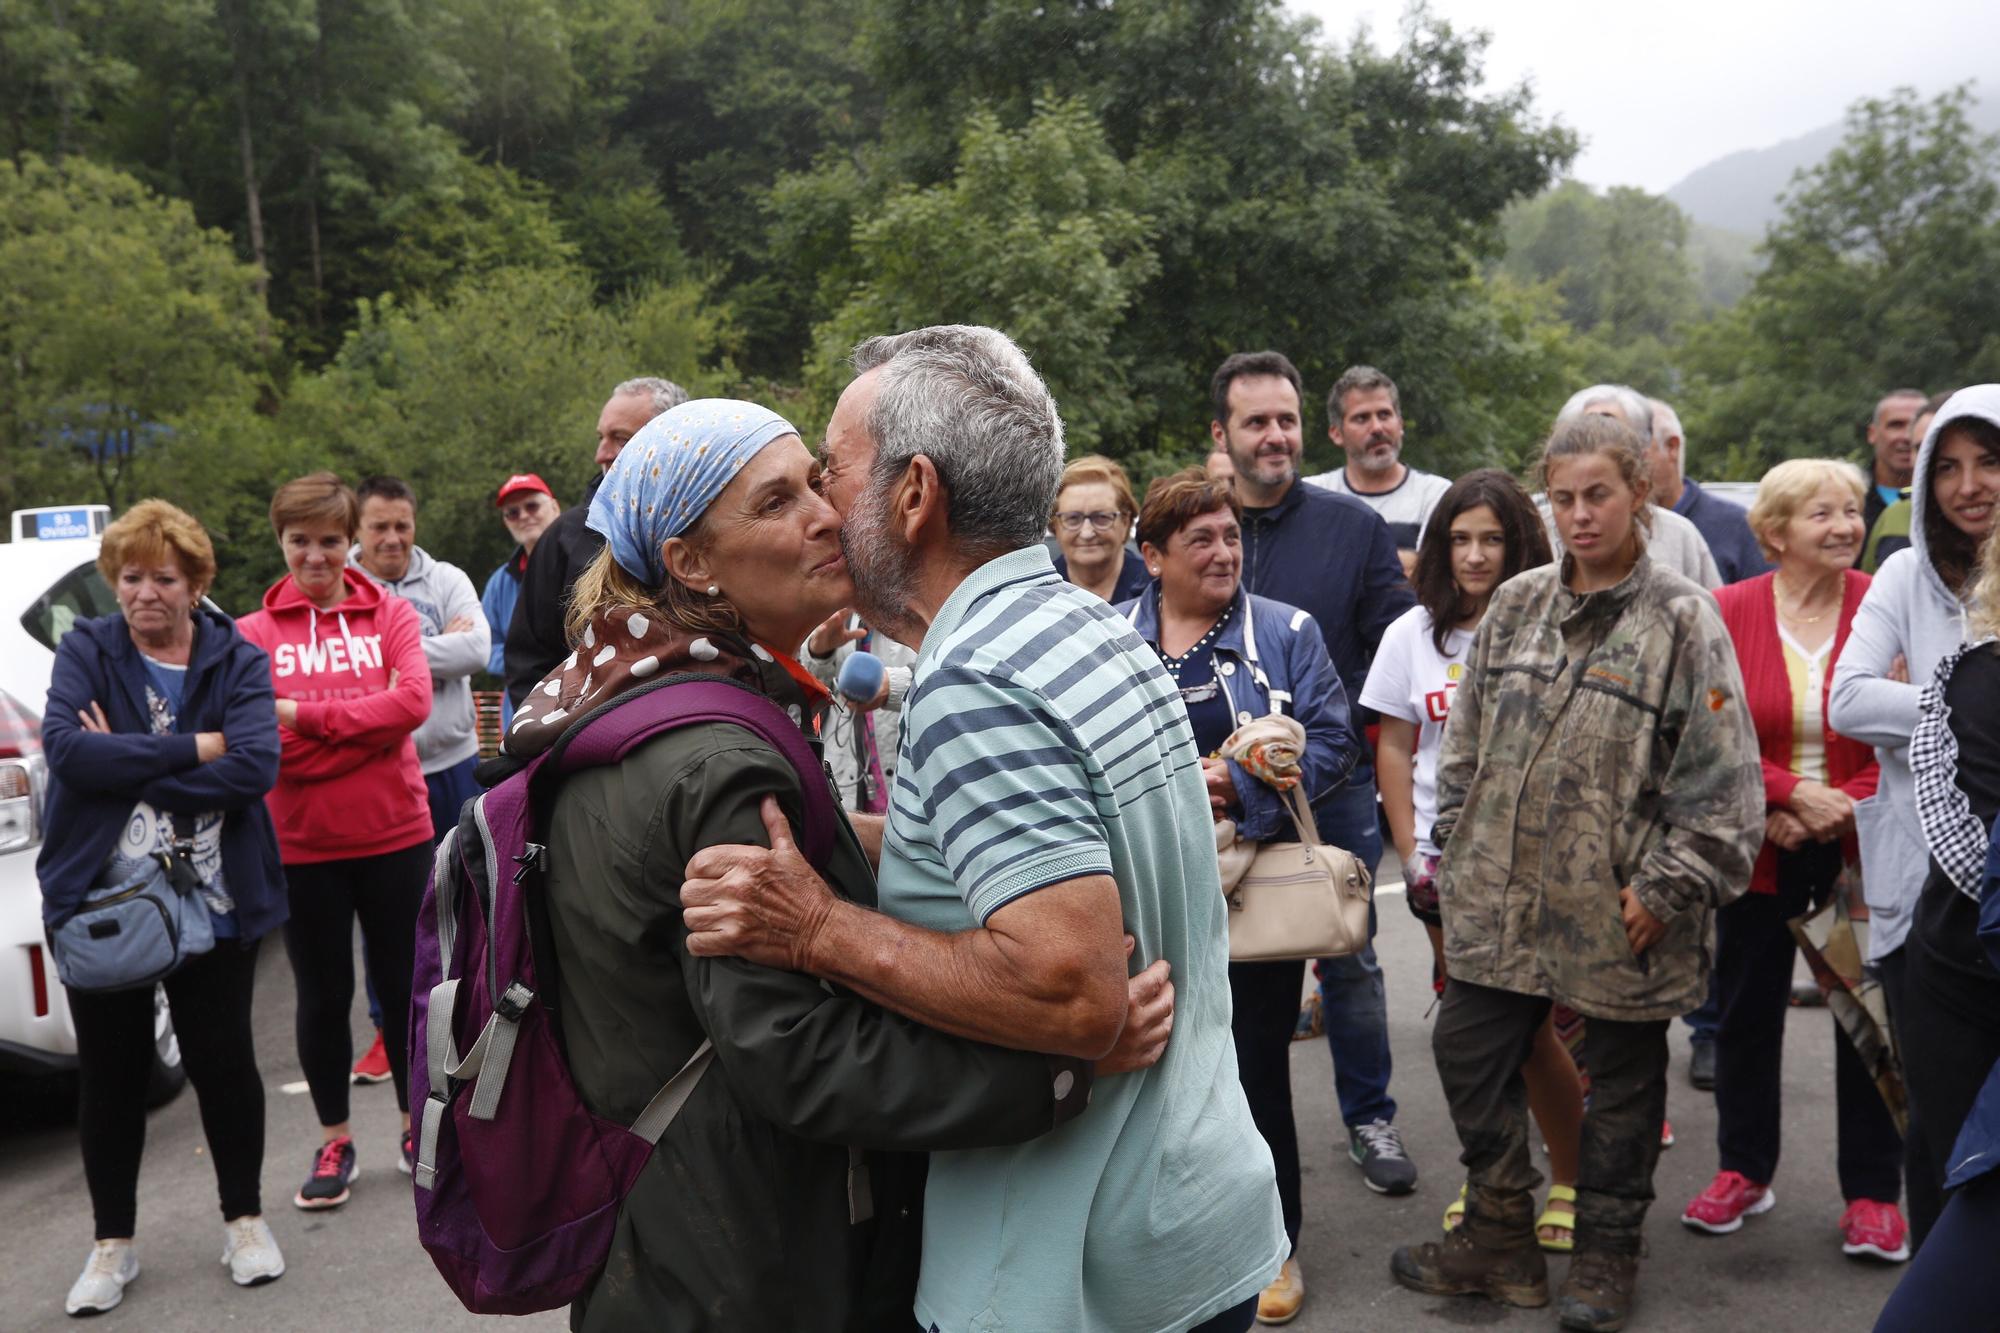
(525, 509)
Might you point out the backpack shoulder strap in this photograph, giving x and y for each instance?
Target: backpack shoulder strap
(609, 733)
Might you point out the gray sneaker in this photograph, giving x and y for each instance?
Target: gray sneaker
(1377, 1149)
(101, 1285)
(251, 1252)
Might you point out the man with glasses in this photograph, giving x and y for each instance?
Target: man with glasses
(526, 506)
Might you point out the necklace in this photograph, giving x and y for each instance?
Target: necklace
(1778, 589)
(1174, 664)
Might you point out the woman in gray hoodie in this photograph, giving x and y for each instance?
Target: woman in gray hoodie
(1913, 616)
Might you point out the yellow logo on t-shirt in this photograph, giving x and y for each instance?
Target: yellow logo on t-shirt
(1455, 672)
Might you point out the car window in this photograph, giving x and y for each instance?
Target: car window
(77, 595)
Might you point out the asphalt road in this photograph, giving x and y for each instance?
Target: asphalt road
(358, 1270)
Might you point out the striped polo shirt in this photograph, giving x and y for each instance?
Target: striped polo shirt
(1042, 742)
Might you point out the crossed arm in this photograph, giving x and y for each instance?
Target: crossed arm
(1046, 972)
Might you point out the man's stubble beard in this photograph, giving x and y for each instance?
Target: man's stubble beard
(881, 567)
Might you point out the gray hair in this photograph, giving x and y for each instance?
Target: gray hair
(664, 393)
(1358, 379)
(1637, 407)
(966, 398)
(1666, 425)
(1875, 417)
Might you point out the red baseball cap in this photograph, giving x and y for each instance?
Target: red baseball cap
(521, 481)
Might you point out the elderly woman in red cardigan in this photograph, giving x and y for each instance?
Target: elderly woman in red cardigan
(1789, 627)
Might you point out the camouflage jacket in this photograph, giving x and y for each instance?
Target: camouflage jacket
(1596, 742)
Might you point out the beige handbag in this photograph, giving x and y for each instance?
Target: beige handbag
(1299, 899)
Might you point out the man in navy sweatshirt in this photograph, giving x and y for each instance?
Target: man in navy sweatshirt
(1334, 557)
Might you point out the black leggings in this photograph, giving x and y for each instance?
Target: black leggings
(210, 1001)
(1264, 1000)
(327, 896)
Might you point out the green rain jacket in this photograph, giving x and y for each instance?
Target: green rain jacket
(1597, 742)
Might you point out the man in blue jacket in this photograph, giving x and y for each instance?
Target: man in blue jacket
(1331, 555)
(1722, 524)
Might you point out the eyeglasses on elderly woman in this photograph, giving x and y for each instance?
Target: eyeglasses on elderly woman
(1073, 520)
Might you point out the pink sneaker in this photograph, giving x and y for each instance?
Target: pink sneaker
(1875, 1230)
(1729, 1198)
(1666, 1133)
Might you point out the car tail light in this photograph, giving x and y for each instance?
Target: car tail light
(23, 775)
(41, 980)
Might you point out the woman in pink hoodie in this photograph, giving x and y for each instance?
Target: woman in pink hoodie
(353, 817)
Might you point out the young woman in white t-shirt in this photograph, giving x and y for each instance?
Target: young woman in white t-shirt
(1484, 531)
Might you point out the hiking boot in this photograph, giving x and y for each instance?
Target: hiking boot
(101, 1284)
(333, 1170)
(1729, 1198)
(251, 1252)
(1377, 1149)
(1874, 1230)
(1279, 1303)
(1596, 1297)
(373, 1066)
(1455, 1266)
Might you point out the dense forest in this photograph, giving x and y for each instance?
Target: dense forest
(243, 238)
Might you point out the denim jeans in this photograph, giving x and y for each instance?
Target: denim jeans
(1351, 994)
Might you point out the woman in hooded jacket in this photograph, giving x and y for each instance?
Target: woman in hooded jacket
(1912, 618)
(353, 814)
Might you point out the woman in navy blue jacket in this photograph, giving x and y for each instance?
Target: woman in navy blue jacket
(1236, 658)
(160, 728)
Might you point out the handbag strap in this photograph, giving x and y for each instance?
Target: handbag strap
(1302, 816)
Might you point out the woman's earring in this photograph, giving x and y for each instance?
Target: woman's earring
(714, 591)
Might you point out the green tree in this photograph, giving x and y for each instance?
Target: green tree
(1884, 270)
(504, 374)
(120, 318)
(1035, 234)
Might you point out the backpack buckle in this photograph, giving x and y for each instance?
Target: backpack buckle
(534, 856)
(513, 1002)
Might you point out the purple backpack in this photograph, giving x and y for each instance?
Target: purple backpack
(518, 1185)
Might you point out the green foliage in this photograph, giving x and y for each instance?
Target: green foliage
(1883, 271)
(1034, 234)
(120, 317)
(1620, 261)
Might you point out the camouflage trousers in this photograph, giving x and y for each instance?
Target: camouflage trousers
(1482, 1038)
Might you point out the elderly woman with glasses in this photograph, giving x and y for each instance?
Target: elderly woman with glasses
(1092, 519)
(1236, 658)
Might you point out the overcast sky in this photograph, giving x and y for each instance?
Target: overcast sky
(1657, 90)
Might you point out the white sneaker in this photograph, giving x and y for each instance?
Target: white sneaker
(250, 1252)
(101, 1285)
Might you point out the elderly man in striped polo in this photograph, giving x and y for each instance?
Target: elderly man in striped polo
(1048, 803)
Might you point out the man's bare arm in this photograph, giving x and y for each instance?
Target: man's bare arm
(1045, 973)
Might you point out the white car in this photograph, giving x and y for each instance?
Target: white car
(48, 582)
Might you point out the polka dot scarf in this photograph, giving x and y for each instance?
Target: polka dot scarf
(627, 647)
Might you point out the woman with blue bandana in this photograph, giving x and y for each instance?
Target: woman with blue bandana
(788, 1192)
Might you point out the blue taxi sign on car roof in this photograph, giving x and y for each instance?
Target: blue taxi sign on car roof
(57, 523)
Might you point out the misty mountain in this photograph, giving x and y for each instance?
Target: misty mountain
(1739, 192)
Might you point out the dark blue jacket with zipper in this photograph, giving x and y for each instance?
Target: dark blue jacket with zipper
(1271, 659)
(1332, 557)
(95, 779)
